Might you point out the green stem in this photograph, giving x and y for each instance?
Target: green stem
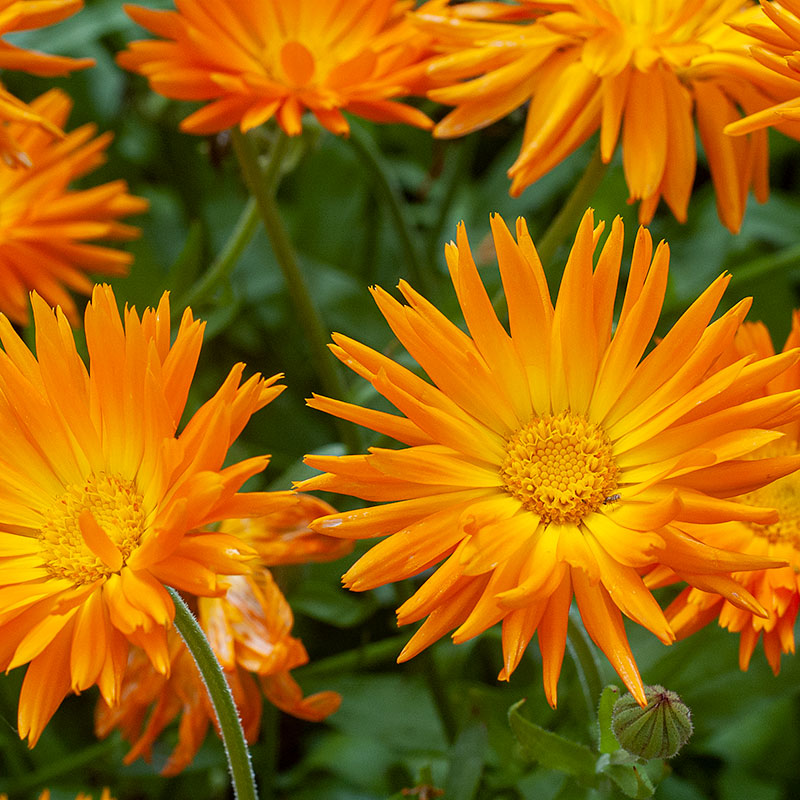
(458, 163)
(587, 666)
(367, 656)
(219, 271)
(565, 223)
(244, 782)
(438, 689)
(563, 227)
(387, 186)
(34, 779)
(309, 320)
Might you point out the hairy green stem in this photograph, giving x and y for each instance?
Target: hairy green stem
(308, 317)
(244, 782)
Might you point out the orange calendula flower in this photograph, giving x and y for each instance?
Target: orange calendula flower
(47, 228)
(777, 590)
(777, 33)
(249, 630)
(102, 504)
(268, 58)
(21, 15)
(556, 460)
(639, 72)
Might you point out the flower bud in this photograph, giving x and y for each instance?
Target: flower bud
(659, 730)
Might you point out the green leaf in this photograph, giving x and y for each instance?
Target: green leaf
(332, 604)
(608, 742)
(551, 750)
(631, 779)
(467, 758)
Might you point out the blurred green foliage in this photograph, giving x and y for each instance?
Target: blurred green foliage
(388, 735)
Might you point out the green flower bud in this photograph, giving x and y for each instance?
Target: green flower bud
(659, 730)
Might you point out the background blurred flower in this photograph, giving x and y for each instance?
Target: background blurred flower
(553, 461)
(45, 795)
(249, 629)
(641, 71)
(46, 226)
(266, 58)
(777, 590)
(20, 15)
(776, 31)
(100, 501)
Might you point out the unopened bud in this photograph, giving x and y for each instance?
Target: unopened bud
(659, 730)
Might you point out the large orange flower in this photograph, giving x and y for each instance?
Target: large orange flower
(268, 58)
(777, 590)
(20, 15)
(557, 460)
(637, 70)
(777, 32)
(249, 631)
(46, 228)
(101, 503)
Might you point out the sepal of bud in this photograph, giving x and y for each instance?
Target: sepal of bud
(659, 730)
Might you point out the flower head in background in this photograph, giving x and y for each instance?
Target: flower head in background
(638, 72)
(777, 590)
(21, 15)
(45, 795)
(556, 460)
(267, 58)
(47, 229)
(249, 629)
(776, 32)
(102, 502)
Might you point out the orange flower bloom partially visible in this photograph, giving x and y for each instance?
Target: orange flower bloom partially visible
(45, 795)
(20, 15)
(249, 631)
(47, 229)
(639, 72)
(284, 537)
(777, 33)
(777, 590)
(556, 460)
(268, 58)
(102, 502)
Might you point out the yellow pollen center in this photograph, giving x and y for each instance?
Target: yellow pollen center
(560, 467)
(91, 529)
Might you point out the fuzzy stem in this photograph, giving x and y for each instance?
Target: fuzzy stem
(242, 778)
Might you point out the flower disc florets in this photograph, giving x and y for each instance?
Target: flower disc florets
(116, 507)
(560, 467)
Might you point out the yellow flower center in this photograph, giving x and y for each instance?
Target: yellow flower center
(560, 467)
(783, 495)
(91, 529)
